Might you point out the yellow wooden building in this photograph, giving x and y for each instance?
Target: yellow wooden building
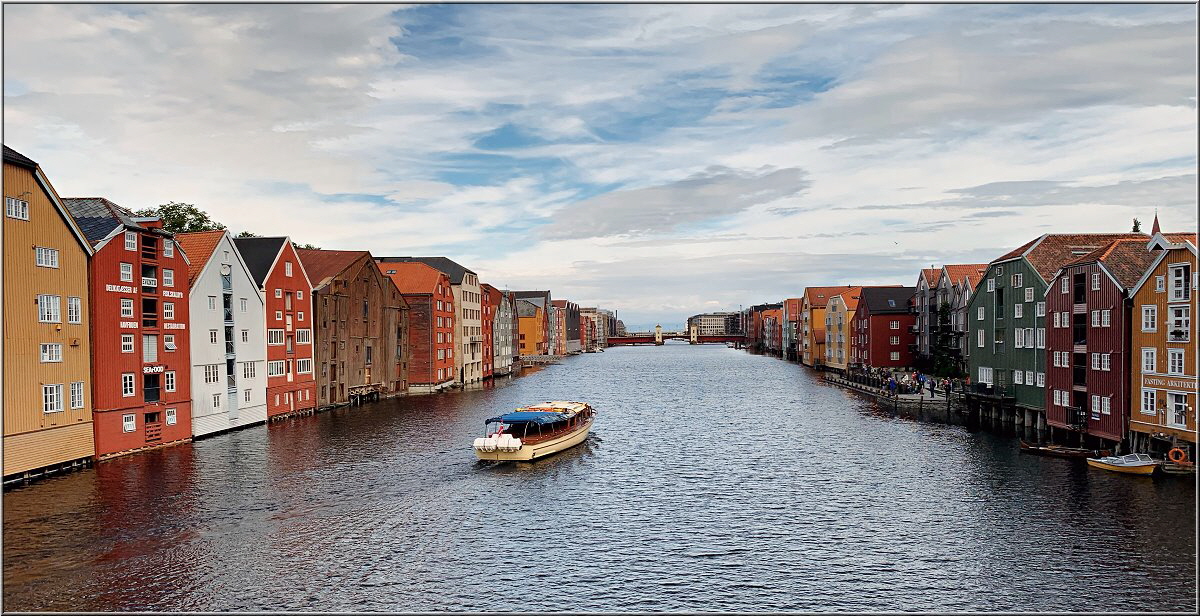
(811, 334)
(1163, 348)
(839, 314)
(46, 351)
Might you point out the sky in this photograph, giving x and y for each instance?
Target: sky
(659, 160)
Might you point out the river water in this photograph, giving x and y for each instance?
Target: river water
(714, 480)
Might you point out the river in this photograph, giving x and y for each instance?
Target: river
(714, 480)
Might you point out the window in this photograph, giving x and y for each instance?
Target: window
(130, 240)
(303, 366)
(278, 315)
(171, 417)
(16, 208)
(126, 272)
(287, 268)
(275, 337)
(1175, 361)
(1018, 311)
(1017, 280)
(980, 336)
(275, 368)
(212, 336)
(894, 356)
(439, 321)
(1149, 402)
(894, 325)
(126, 343)
(1177, 409)
(894, 340)
(1095, 403)
(169, 311)
(300, 315)
(985, 375)
(127, 384)
(1180, 323)
(441, 353)
(1160, 283)
(216, 401)
(1057, 322)
(52, 398)
(1054, 359)
(1106, 362)
(1041, 379)
(168, 277)
(51, 353)
(1066, 285)
(1149, 359)
(74, 310)
(991, 285)
(1149, 318)
(245, 335)
(126, 307)
(1040, 309)
(1018, 338)
(999, 271)
(128, 422)
(1029, 377)
(169, 380)
(278, 293)
(1095, 361)
(1105, 318)
(1041, 337)
(1095, 318)
(168, 251)
(1018, 377)
(212, 373)
(48, 309)
(1029, 294)
(248, 370)
(1057, 398)
(299, 294)
(246, 395)
(304, 336)
(45, 257)
(243, 304)
(169, 342)
(1095, 281)
(77, 395)
(212, 302)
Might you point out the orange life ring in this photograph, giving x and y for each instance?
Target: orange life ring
(1177, 455)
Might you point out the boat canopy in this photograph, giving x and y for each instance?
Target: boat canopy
(530, 417)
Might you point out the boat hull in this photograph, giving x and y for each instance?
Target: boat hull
(529, 452)
(1140, 469)
(1058, 451)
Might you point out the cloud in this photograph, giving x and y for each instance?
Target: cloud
(712, 193)
(1177, 191)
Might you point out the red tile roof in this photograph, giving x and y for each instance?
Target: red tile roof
(321, 265)
(1128, 259)
(818, 297)
(972, 272)
(1050, 252)
(930, 275)
(413, 278)
(199, 247)
(850, 297)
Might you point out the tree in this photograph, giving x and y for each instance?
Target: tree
(1137, 226)
(306, 246)
(247, 234)
(181, 217)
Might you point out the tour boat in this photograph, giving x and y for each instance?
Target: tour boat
(535, 431)
(1134, 463)
(1059, 451)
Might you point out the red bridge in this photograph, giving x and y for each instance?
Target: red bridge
(649, 338)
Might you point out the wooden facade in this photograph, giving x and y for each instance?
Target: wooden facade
(1163, 403)
(361, 327)
(839, 316)
(812, 323)
(44, 424)
(882, 334)
(431, 316)
(141, 323)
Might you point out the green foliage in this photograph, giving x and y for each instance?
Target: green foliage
(181, 217)
(306, 246)
(247, 234)
(1137, 226)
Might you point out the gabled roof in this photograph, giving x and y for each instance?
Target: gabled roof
(930, 275)
(526, 308)
(819, 296)
(850, 297)
(412, 278)
(260, 254)
(972, 272)
(14, 157)
(1050, 252)
(455, 271)
(887, 300)
(323, 265)
(98, 217)
(199, 246)
(1126, 260)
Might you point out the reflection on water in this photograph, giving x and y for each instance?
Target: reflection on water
(712, 480)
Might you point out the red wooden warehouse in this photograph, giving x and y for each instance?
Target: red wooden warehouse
(139, 310)
(287, 297)
(881, 335)
(431, 323)
(1087, 341)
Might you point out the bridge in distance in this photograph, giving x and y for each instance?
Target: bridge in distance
(658, 337)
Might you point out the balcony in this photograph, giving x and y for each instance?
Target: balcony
(1178, 335)
(1076, 417)
(149, 319)
(154, 432)
(1079, 376)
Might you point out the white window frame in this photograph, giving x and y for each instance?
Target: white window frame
(1039, 309)
(16, 208)
(1041, 337)
(216, 401)
(304, 365)
(1160, 284)
(981, 337)
(1018, 377)
(168, 250)
(1149, 360)
(128, 385)
(1106, 318)
(1095, 361)
(1095, 318)
(169, 343)
(49, 308)
(131, 241)
(287, 269)
(52, 398)
(129, 422)
(127, 343)
(278, 293)
(991, 285)
(244, 304)
(75, 310)
(894, 356)
(168, 277)
(1150, 318)
(1106, 362)
(50, 352)
(171, 416)
(276, 368)
(126, 272)
(45, 257)
(212, 336)
(1065, 286)
(1057, 320)
(169, 380)
(1057, 398)
(77, 401)
(299, 295)
(1040, 378)
(1176, 362)
(1018, 311)
(168, 311)
(245, 335)
(303, 336)
(126, 307)
(1095, 281)
(1149, 401)
(275, 337)
(248, 370)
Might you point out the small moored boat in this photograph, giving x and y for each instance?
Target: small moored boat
(535, 431)
(1059, 451)
(1134, 463)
